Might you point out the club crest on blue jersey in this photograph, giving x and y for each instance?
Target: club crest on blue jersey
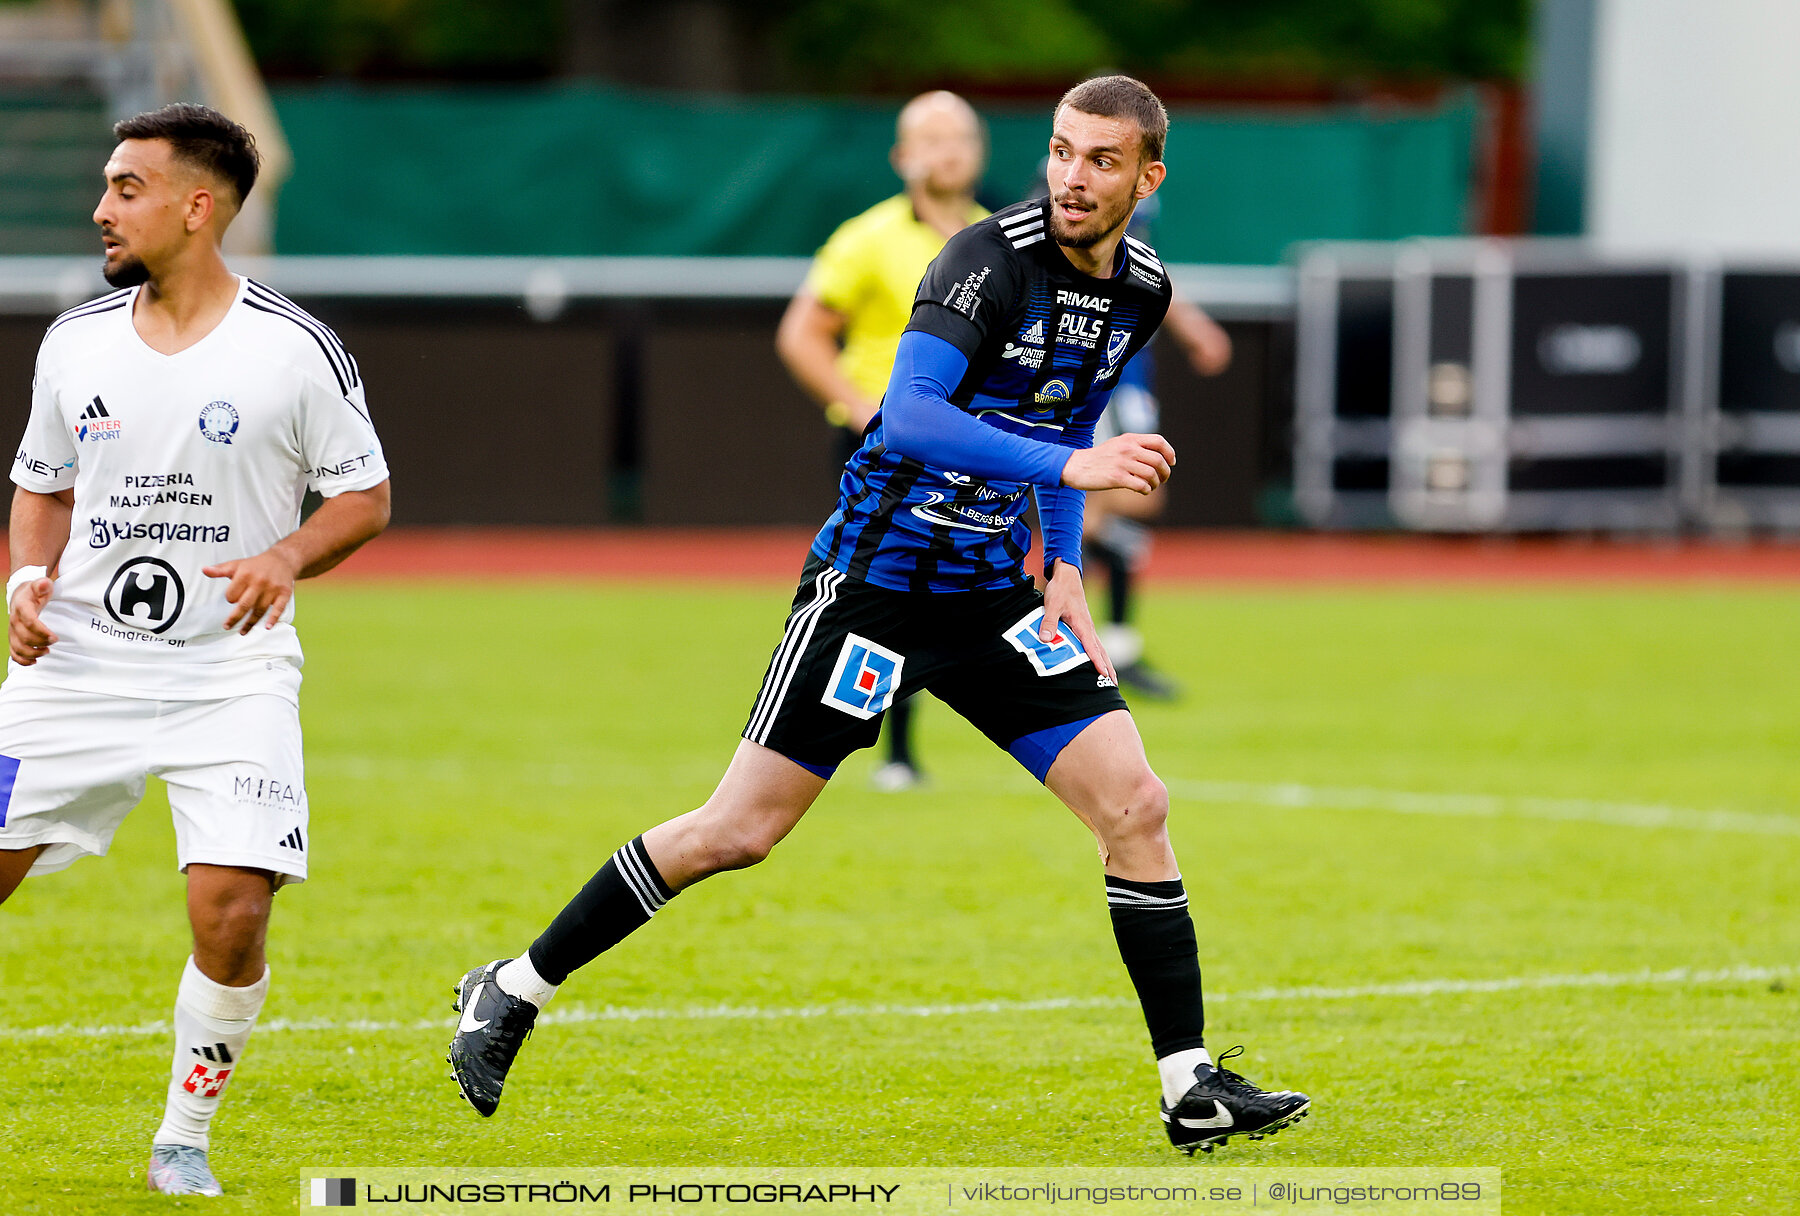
(1116, 342)
(1051, 658)
(865, 679)
(219, 421)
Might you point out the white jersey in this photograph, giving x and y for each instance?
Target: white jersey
(179, 462)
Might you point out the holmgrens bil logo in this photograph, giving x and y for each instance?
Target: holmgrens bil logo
(219, 421)
(146, 593)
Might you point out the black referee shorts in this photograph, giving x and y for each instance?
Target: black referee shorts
(851, 649)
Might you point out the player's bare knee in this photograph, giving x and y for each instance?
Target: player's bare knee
(746, 846)
(233, 922)
(1139, 810)
(731, 838)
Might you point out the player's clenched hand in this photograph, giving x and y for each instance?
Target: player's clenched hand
(1125, 462)
(260, 588)
(1065, 607)
(27, 636)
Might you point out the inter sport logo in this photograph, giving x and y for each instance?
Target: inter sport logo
(146, 593)
(96, 425)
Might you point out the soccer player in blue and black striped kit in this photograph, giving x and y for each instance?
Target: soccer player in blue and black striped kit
(1018, 334)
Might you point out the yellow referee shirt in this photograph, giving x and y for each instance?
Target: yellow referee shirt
(869, 271)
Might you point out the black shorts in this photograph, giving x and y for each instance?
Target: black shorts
(850, 649)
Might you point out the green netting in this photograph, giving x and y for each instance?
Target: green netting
(588, 170)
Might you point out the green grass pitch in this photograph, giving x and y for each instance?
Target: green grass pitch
(475, 753)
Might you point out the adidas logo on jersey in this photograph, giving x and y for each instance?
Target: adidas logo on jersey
(95, 425)
(1033, 333)
(293, 840)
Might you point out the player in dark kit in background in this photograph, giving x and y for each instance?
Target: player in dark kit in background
(1019, 331)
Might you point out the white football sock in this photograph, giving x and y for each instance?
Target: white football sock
(519, 978)
(1124, 644)
(212, 1026)
(1177, 1071)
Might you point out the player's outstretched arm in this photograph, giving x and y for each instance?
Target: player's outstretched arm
(38, 531)
(1125, 462)
(261, 586)
(919, 421)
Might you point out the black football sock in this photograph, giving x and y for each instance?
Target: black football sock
(1124, 545)
(619, 899)
(899, 732)
(1156, 939)
(1096, 552)
(1118, 588)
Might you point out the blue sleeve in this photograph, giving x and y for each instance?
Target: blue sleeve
(1060, 512)
(917, 420)
(1061, 508)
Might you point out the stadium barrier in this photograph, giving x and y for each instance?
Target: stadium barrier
(539, 171)
(1543, 386)
(647, 390)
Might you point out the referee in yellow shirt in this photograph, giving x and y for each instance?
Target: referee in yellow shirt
(840, 331)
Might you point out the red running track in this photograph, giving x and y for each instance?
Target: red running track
(776, 554)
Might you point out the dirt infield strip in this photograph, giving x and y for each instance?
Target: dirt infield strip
(776, 554)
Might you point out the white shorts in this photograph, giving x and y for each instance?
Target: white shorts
(73, 764)
(1130, 411)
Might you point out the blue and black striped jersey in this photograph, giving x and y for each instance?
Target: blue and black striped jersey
(1045, 345)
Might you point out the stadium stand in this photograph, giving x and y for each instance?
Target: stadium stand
(68, 70)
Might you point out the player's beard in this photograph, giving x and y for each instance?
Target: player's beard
(1086, 240)
(128, 271)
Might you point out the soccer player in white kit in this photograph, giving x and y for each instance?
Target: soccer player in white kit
(156, 538)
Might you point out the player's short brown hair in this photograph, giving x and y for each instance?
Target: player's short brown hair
(1123, 97)
(202, 137)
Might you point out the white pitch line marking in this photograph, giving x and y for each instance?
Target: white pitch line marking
(580, 1015)
(1485, 806)
(1271, 794)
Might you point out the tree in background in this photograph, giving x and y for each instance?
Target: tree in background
(905, 43)
(891, 45)
(457, 39)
